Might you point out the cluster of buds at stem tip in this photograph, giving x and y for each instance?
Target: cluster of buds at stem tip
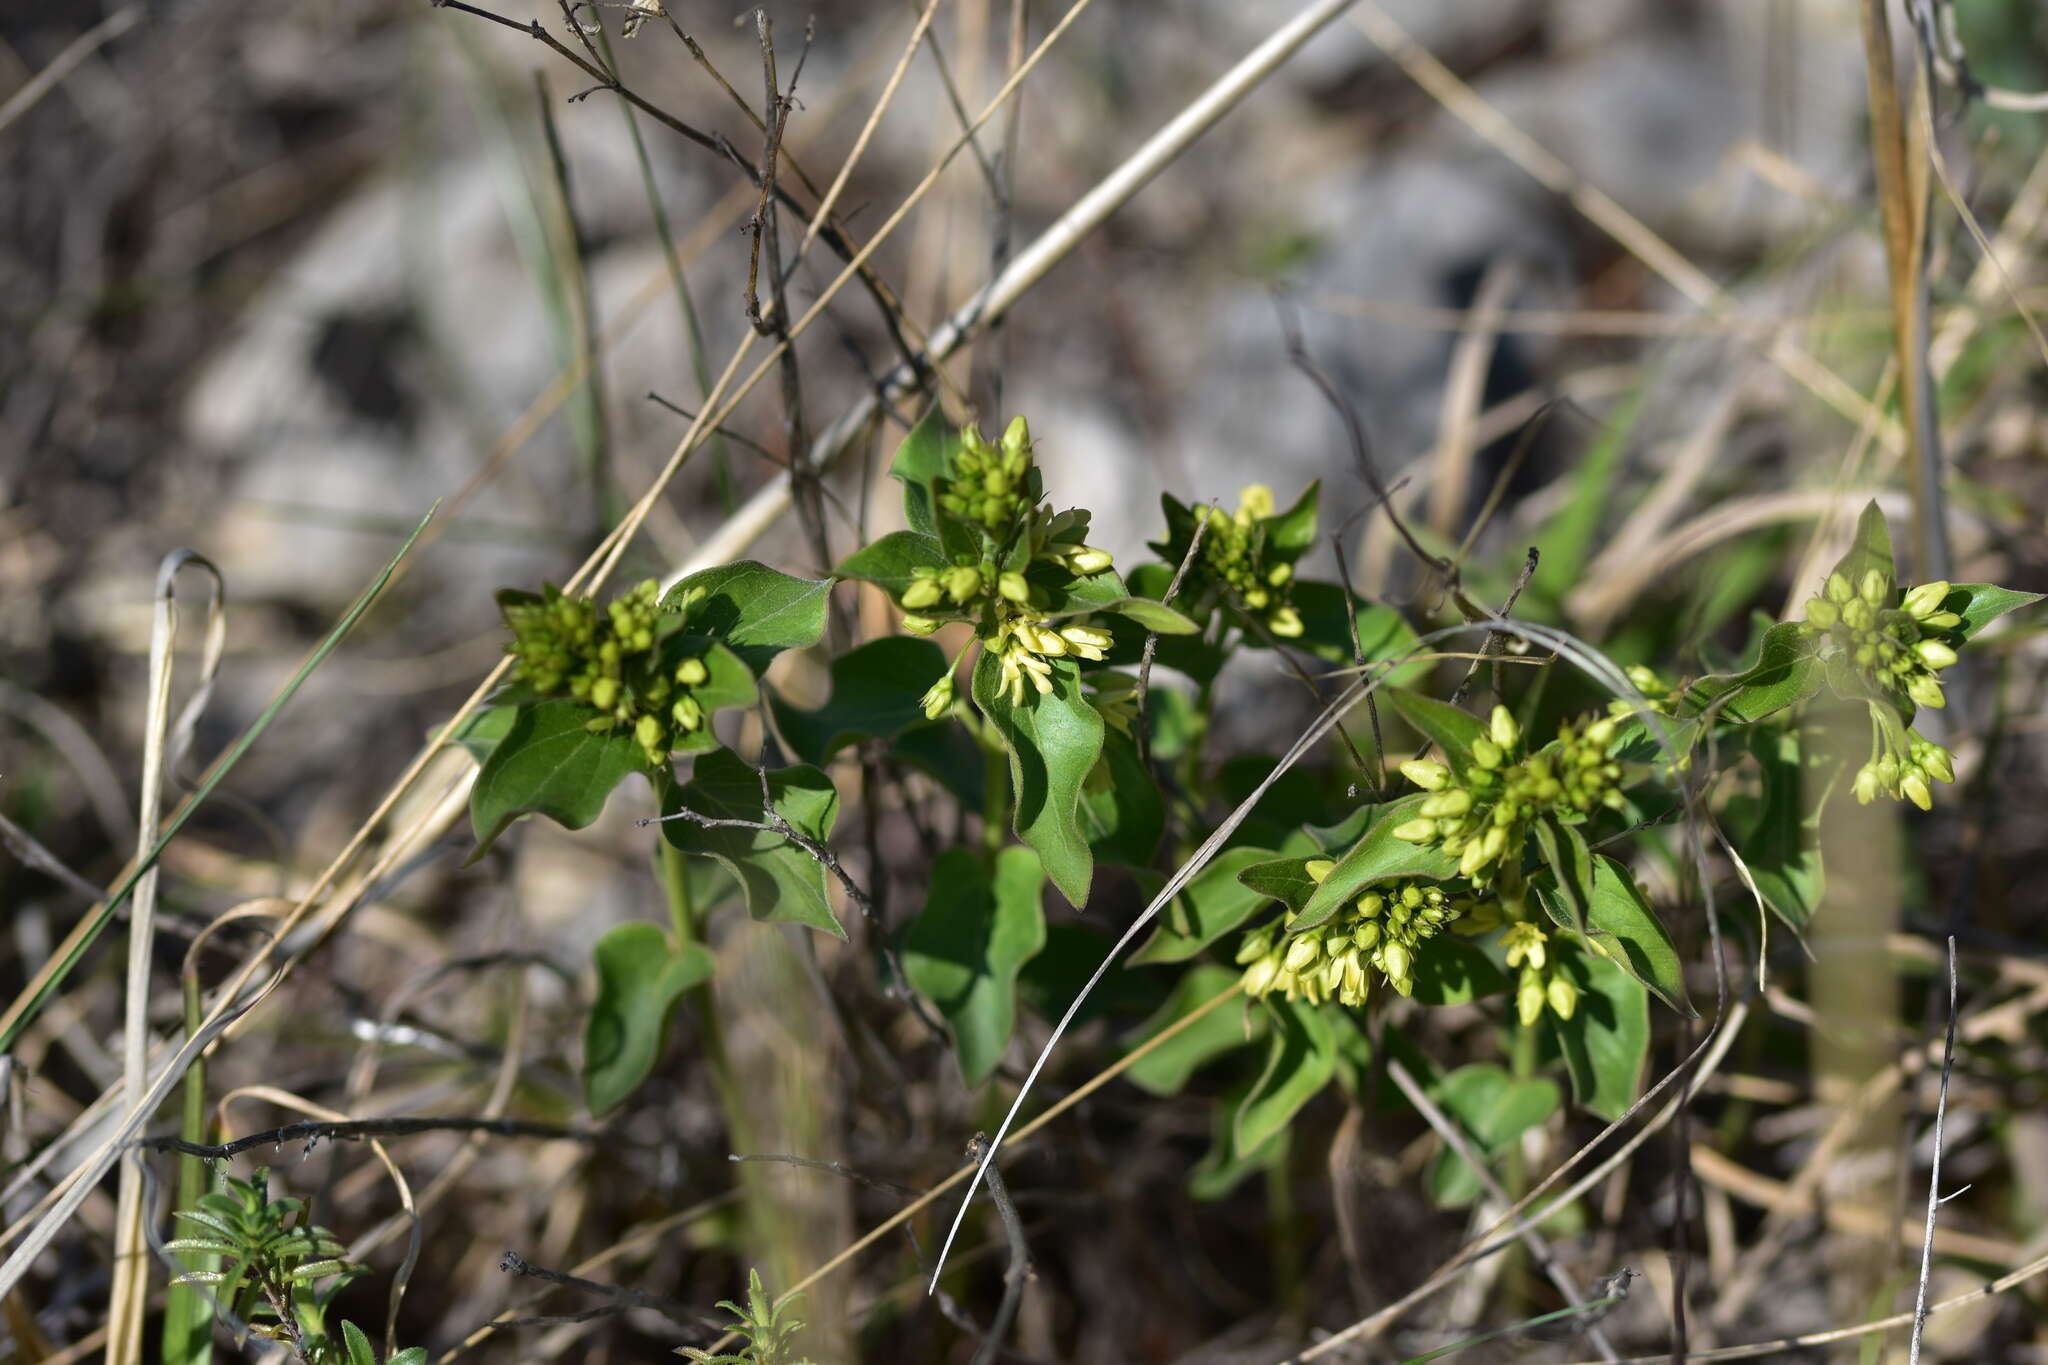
(1659, 694)
(1383, 930)
(1902, 773)
(1234, 555)
(1483, 820)
(610, 662)
(1025, 649)
(1541, 984)
(1896, 644)
(991, 485)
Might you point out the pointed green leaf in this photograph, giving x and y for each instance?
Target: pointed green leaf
(890, 562)
(1871, 549)
(756, 610)
(1299, 1063)
(549, 763)
(1449, 728)
(1786, 673)
(1151, 615)
(877, 693)
(919, 462)
(1053, 742)
(358, 1345)
(782, 883)
(1607, 1039)
(1979, 604)
(1571, 867)
(1282, 879)
(1225, 1028)
(963, 952)
(1620, 923)
(1292, 533)
(641, 977)
(482, 731)
(1210, 906)
(1376, 858)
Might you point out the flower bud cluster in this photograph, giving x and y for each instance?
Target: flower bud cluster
(1484, 820)
(609, 661)
(1659, 694)
(1895, 647)
(1540, 984)
(1383, 930)
(991, 485)
(1234, 554)
(1115, 699)
(1902, 773)
(1025, 649)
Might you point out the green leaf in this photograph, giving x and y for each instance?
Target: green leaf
(757, 611)
(919, 462)
(1450, 971)
(889, 563)
(549, 763)
(1121, 811)
(1292, 533)
(358, 1345)
(1299, 1063)
(1449, 728)
(964, 951)
(1382, 632)
(1227, 1027)
(782, 883)
(1208, 907)
(729, 683)
(1282, 879)
(1377, 857)
(640, 978)
(1493, 1109)
(1053, 742)
(1786, 673)
(1778, 832)
(1871, 548)
(1979, 604)
(1620, 922)
(1571, 867)
(1151, 615)
(483, 730)
(877, 693)
(1607, 1039)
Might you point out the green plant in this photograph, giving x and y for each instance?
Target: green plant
(765, 1326)
(273, 1261)
(1499, 861)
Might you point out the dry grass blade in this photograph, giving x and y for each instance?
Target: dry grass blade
(1464, 387)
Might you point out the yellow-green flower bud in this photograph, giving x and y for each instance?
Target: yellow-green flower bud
(1454, 802)
(1925, 690)
(1487, 754)
(689, 713)
(1285, 622)
(1935, 654)
(692, 673)
(938, 697)
(1088, 559)
(1563, 996)
(604, 693)
(919, 625)
(1866, 787)
(1501, 725)
(1013, 587)
(1915, 789)
(647, 730)
(1415, 831)
(1279, 575)
(1925, 600)
(1838, 589)
(1300, 952)
(1017, 436)
(924, 592)
(1823, 613)
(1525, 944)
(1255, 502)
(1259, 977)
(1529, 999)
(1875, 587)
(1428, 775)
(1395, 960)
(963, 583)
(1935, 761)
(1317, 869)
